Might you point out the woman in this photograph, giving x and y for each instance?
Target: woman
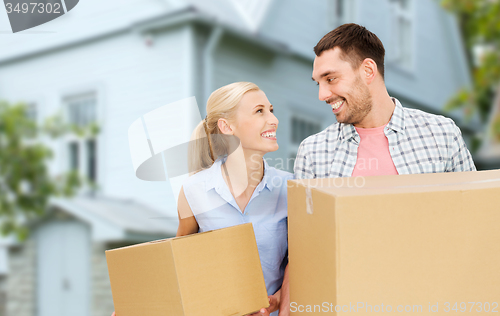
(232, 184)
(236, 185)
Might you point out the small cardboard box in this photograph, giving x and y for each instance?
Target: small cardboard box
(421, 243)
(213, 273)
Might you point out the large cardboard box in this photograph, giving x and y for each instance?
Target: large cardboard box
(426, 244)
(213, 273)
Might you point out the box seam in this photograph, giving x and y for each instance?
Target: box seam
(177, 278)
(337, 250)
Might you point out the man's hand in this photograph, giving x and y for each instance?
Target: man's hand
(274, 304)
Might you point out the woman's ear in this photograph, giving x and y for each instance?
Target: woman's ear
(224, 127)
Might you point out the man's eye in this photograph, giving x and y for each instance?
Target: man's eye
(330, 79)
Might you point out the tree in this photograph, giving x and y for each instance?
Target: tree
(480, 25)
(25, 182)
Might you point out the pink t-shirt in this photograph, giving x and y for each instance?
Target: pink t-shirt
(374, 158)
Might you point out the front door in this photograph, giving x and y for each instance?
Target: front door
(63, 269)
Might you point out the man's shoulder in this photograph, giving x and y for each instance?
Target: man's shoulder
(415, 118)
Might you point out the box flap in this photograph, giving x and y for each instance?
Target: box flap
(450, 181)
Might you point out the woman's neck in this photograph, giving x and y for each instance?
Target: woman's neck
(243, 171)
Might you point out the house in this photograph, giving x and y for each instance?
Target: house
(488, 155)
(61, 269)
(112, 61)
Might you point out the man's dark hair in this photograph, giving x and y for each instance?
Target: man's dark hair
(356, 43)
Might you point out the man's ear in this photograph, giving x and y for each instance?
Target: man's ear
(369, 70)
(224, 126)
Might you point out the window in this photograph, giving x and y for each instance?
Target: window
(91, 159)
(74, 155)
(31, 112)
(81, 110)
(82, 151)
(301, 129)
(340, 12)
(402, 33)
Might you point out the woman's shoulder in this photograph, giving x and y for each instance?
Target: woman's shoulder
(196, 179)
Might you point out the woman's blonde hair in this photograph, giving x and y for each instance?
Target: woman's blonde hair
(207, 141)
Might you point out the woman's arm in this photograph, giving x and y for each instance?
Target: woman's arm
(187, 222)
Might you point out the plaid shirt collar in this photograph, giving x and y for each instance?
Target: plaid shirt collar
(397, 123)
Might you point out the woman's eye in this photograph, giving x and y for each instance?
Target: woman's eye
(259, 111)
(272, 110)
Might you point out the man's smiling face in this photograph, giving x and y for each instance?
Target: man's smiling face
(342, 87)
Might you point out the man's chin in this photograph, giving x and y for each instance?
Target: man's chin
(340, 118)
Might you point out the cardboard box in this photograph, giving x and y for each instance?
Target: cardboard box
(429, 240)
(213, 273)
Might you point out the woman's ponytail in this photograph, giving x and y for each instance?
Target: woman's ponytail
(200, 154)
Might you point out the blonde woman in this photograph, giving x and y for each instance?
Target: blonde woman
(232, 184)
(235, 184)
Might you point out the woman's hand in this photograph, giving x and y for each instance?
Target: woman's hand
(274, 304)
(113, 314)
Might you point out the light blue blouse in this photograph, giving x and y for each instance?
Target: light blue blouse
(214, 207)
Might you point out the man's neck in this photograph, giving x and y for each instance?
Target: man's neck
(380, 114)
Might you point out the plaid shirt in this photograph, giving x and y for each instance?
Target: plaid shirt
(419, 142)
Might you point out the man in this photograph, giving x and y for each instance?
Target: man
(374, 134)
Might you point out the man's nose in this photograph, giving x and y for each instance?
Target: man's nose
(324, 93)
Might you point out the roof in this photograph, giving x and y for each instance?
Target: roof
(89, 21)
(110, 220)
(115, 219)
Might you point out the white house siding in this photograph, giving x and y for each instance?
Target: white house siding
(130, 79)
(87, 19)
(296, 23)
(153, 77)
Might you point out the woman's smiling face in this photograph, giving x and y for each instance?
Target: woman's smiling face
(255, 124)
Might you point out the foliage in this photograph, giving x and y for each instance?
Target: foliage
(25, 181)
(480, 24)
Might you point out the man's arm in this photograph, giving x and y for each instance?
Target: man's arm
(303, 168)
(461, 159)
(285, 295)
